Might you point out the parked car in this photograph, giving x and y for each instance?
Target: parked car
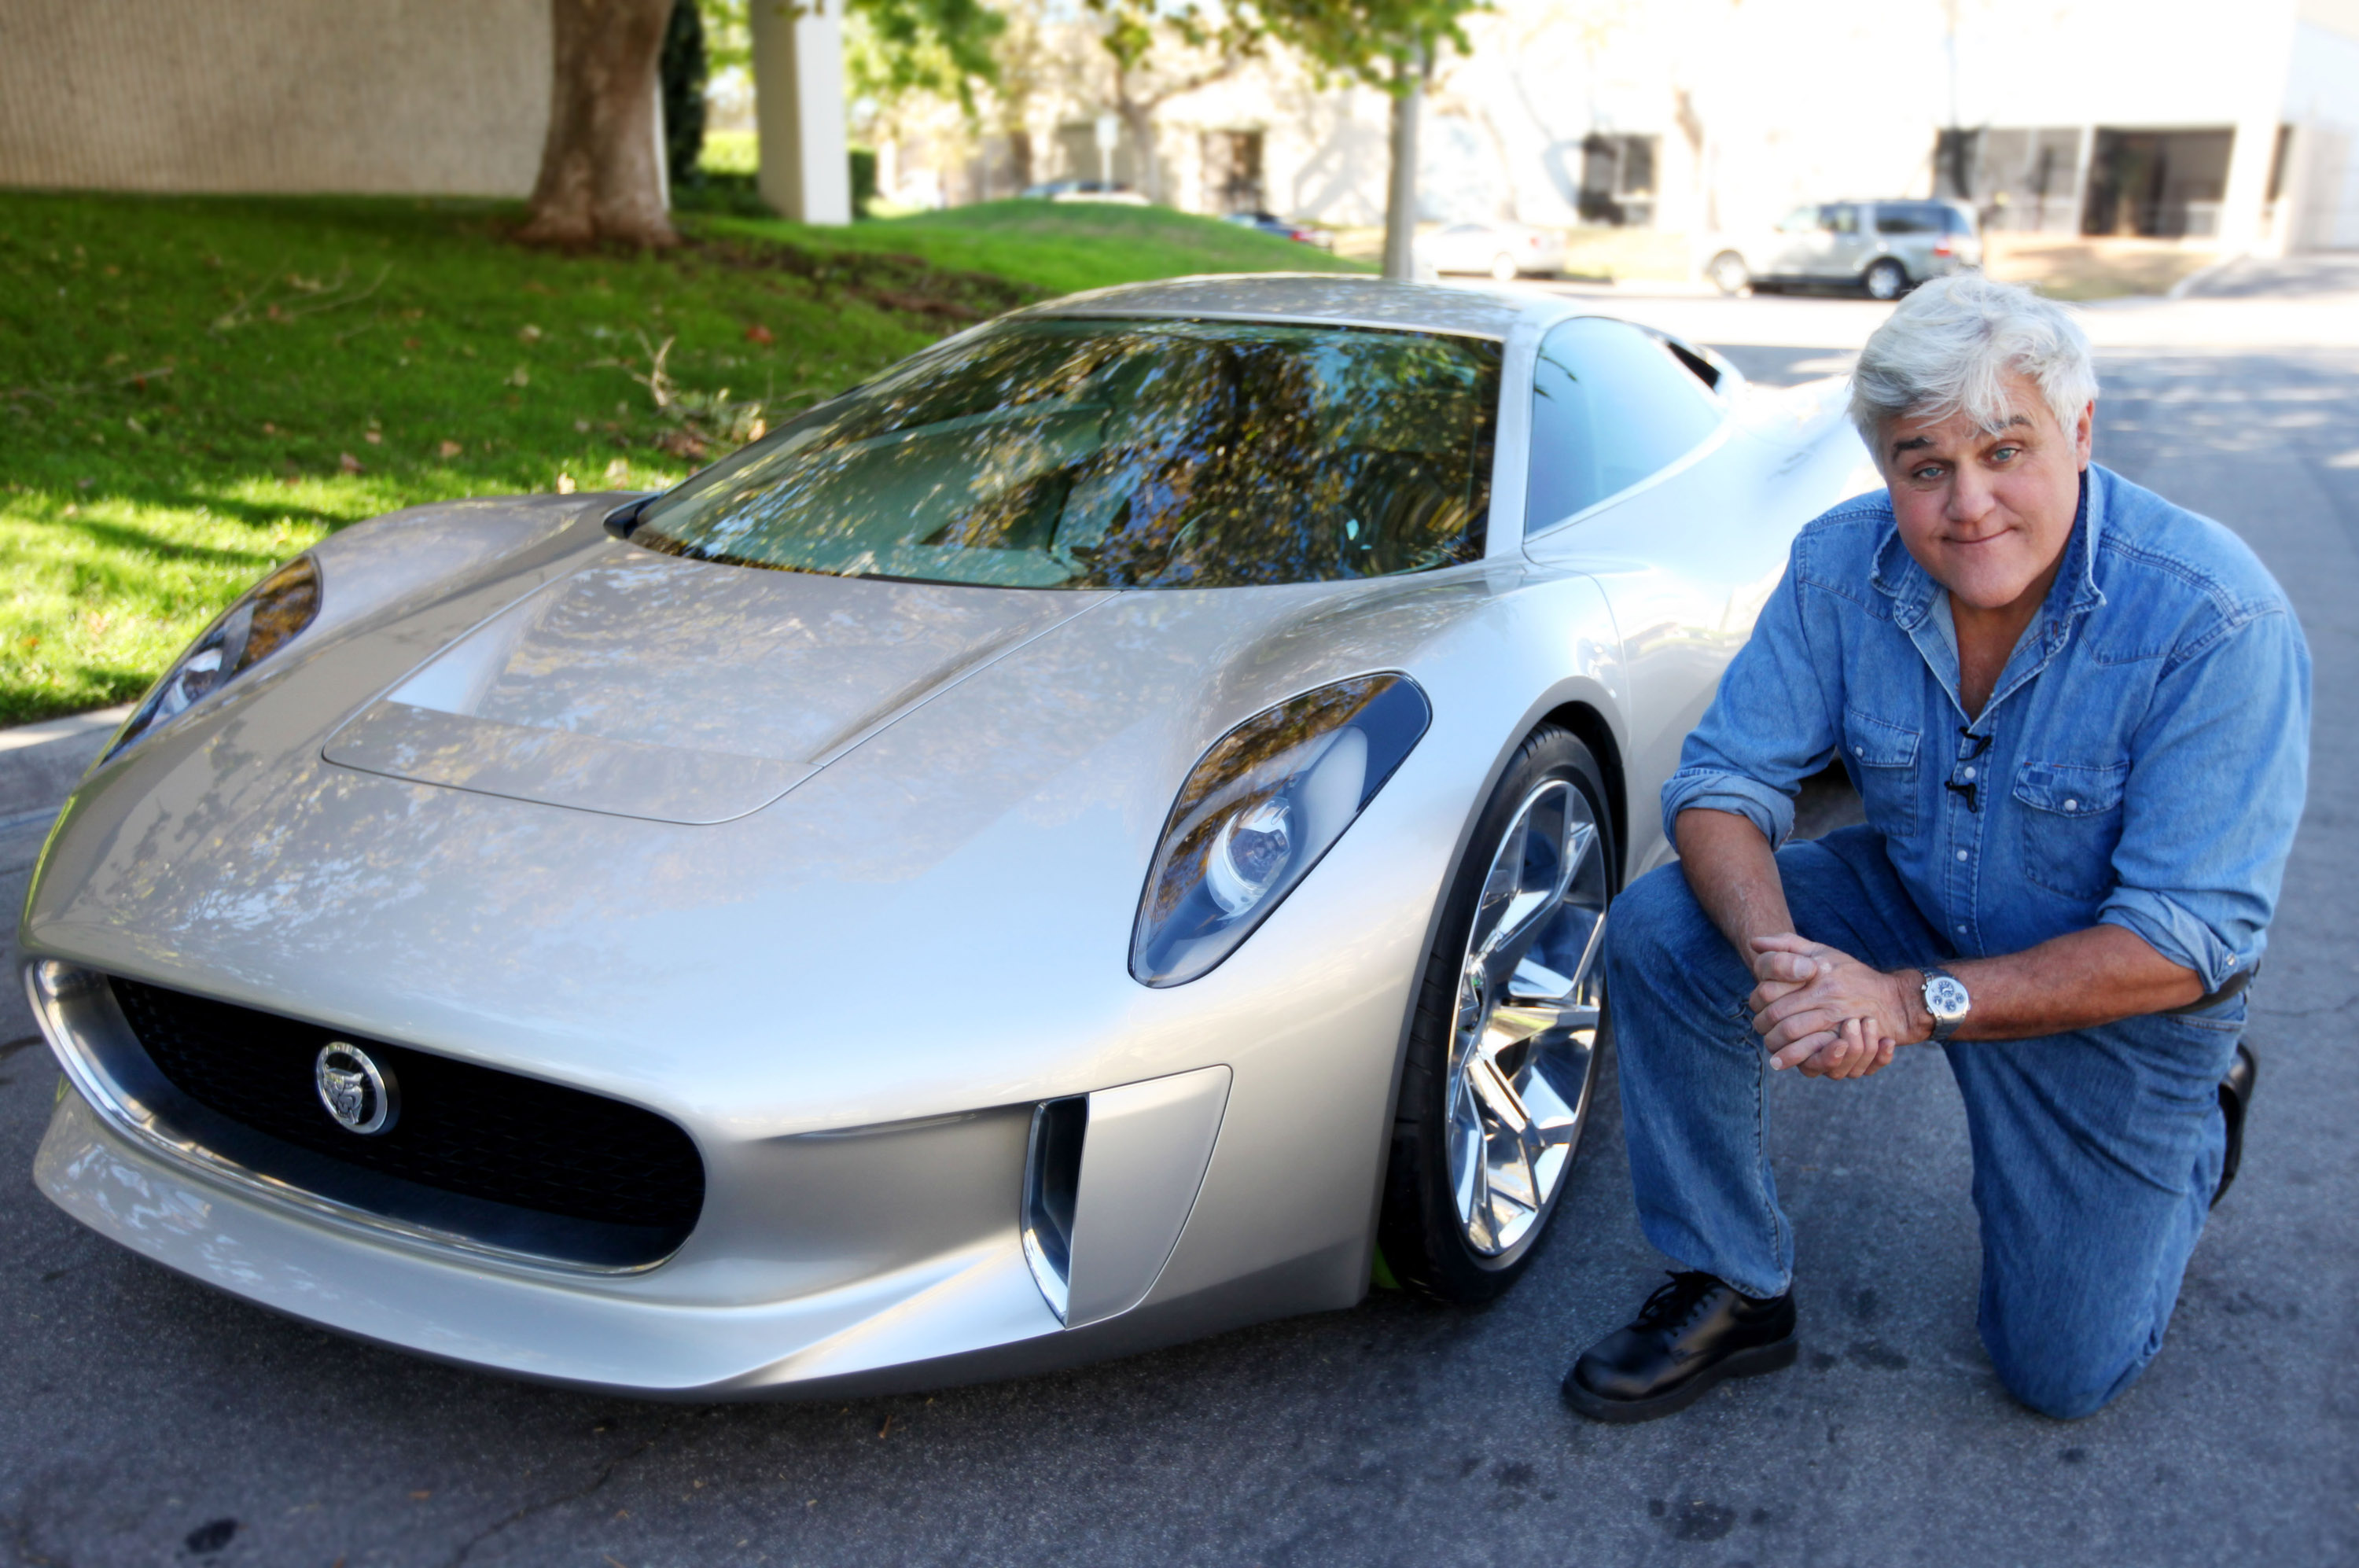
(1086, 190)
(1057, 850)
(1884, 249)
(1271, 223)
(1503, 250)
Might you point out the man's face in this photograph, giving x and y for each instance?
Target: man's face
(1987, 513)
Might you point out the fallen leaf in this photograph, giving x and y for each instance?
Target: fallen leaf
(374, 438)
(448, 448)
(758, 333)
(350, 463)
(565, 487)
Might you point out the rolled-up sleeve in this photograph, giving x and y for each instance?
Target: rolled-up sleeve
(1770, 724)
(2218, 773)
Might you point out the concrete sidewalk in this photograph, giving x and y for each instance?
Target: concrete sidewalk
(40, 764)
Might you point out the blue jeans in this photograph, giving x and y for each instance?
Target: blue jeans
(2096, 1152)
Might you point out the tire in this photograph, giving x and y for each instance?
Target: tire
(1503, 268)
(1467, 1196)
(1885, 279)
(1729, 274)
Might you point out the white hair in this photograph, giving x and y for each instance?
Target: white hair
(1950, 345)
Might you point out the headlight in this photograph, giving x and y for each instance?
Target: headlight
(1266, 801)
(271, 614)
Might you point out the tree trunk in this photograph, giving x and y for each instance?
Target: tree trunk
(1400, 192)
(599, 179)
(1138, 118)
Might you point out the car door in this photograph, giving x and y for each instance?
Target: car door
(1625, 483)
(1847, 245)
(1462, 247)
(1907, 231)
(1791, 252)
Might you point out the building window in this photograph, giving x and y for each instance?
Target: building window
(2158, 184)
(1617, 180)
(1233, 182)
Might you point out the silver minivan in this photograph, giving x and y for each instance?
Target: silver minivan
(1884, 248)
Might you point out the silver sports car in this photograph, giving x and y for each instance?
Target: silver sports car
(1099, 836)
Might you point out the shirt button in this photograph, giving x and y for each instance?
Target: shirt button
(1961, 854)
(1969, 773)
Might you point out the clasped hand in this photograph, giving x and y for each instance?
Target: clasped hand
(1823, 1011)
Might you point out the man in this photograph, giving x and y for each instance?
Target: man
(2078, 717)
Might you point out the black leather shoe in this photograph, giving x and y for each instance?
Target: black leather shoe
(1691, 1335)
(2236, 1094)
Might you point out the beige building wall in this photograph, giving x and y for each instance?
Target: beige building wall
(445, 97)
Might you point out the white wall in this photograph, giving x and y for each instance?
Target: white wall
(2322, 185)
(431, 96)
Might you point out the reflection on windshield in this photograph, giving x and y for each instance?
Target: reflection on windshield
(1050, 453)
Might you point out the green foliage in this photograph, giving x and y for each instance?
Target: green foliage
(728, 33)
(1384, 43)
(681, 72)
(182, 381)
(892, 48)
(938, 46)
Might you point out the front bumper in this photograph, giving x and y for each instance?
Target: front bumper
(902, 1263)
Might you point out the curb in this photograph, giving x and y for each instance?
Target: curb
(2200, 275)
(40, 764)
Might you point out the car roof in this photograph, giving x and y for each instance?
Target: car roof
(1312, 297)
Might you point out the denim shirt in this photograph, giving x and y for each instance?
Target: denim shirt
(2141, 761)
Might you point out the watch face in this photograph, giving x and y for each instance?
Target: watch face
(1945, 997)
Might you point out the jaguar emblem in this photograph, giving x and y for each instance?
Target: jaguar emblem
(357, 1092)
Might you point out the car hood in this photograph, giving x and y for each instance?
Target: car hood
(646, 686)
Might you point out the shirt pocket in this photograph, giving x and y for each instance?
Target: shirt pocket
(2071, 823)
(1882, 759)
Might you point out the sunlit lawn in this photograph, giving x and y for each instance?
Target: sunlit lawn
(191, 390)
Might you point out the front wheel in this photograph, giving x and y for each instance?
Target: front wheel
(1503, 1051)
(1885, 280)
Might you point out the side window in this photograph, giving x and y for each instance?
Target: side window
(1611, 405)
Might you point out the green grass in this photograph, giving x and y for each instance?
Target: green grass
(194, 389)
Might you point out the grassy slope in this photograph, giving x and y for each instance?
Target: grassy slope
(182, 381)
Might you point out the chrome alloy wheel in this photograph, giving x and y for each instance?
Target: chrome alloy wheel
(1522, 1052)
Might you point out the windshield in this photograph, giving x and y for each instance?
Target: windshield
(1048, 453)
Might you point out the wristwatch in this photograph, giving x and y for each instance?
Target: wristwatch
(1947, 1000)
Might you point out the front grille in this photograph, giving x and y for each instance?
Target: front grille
(617, 1182)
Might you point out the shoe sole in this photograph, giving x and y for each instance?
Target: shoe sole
(1756, 1362)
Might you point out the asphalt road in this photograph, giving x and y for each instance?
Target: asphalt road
(150, 1421)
